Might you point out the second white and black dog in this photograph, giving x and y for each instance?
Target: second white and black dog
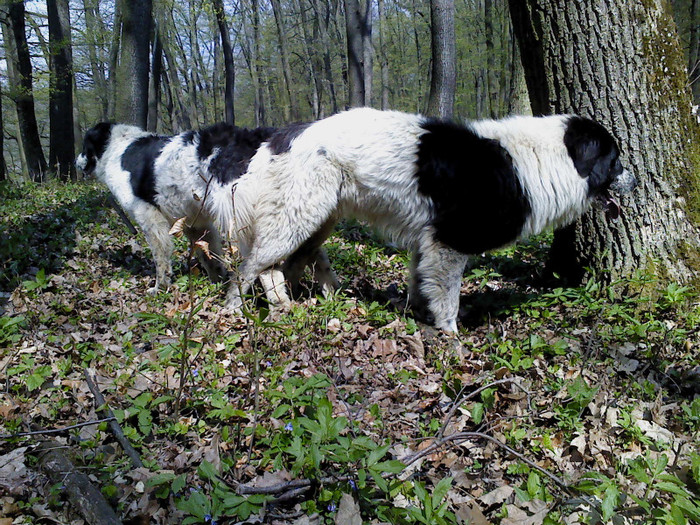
(160, 179)
(441, 189)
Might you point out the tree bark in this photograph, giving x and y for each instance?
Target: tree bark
(443, 81)
(61, 139)
(694, 50)
(355, 30)
(23, 94)
(635, 83)
(3, 166)
(132, 71)
(230, 72)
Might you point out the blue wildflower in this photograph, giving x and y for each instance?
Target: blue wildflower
(195, 372)
(289, 427)
(353, 485)
(332, 507)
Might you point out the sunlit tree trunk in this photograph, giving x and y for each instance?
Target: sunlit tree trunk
(620, 63)
(443, 79)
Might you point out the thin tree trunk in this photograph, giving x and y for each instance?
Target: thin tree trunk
(443, 80)
(256, 66)
(316, 66)
(324, 15)
(114, 58)
(23, 97)
(230, 72)
(635, 85)
(61, 154)
(154, 85)
(383, 61)
(3, 166)
(95, 41)
(356, 53)
(283, 46)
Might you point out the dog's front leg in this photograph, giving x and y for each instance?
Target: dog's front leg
(435, 283)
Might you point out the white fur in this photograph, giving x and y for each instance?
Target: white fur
(362, 163)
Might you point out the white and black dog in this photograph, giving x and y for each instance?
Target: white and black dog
(441, 189)
(159, 180)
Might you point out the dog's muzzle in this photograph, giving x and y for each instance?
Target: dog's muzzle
(623, 184)
(84, 164)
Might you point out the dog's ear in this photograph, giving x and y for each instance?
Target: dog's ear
(592, 150)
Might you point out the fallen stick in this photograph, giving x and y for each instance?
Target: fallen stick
(82, 495)
(113, 425)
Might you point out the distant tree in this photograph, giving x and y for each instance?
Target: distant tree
(229, 71)
(61, 140)
(154, 86)
(3, 167)
(443, 80)
(131, 76)
(291, 106)
(635, 83)
(22, 93)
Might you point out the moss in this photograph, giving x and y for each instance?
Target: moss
(668, 77)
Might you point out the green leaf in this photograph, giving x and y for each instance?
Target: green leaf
(610, 501)
(159, 479)
(393, 466)
(281, 410)
(207, 471)
(478, 412)
(441, 489)
(534, 485)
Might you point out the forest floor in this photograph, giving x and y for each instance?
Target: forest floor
(554, 405)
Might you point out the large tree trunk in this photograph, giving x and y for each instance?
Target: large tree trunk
(230, 72)
(18, 51)
(621, 64)
(61, 139)
(132, 71)
(443, 81)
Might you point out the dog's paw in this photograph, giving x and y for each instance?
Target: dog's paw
(153, 290)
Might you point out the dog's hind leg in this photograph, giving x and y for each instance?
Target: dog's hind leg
(436, 279)
(156, 229)
(312, 255)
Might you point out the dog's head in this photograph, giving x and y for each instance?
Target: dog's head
(94, 146)
(596, 157)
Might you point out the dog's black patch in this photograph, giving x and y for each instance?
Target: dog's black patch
(236, 147)
(479, 202)
(188, 137)
(594, 153)
(139, 160)
(95, 143)
(282, 140)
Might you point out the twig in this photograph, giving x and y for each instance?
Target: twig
(459, 400)
(113, 424)
(463, 436)
(57, 430)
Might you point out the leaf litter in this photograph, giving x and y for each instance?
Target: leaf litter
(585, 396)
